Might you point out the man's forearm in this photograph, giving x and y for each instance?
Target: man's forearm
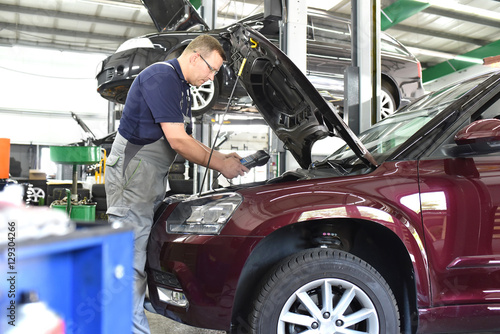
(198, 153)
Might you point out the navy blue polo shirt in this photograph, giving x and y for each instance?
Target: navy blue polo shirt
(158, 94)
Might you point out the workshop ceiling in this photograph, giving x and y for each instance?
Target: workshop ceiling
(445, 35)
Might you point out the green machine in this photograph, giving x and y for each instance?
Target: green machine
(76, 155)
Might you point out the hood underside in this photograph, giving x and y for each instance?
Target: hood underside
(285, 98)
(174, 15)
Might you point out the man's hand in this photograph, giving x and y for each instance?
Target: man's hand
(232, 155)
(232, 166)
(228, 164)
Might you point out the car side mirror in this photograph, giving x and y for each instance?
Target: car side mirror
(479, 137)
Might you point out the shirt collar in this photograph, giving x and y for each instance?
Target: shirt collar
(177, 68)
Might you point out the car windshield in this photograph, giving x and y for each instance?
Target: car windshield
(387, 135)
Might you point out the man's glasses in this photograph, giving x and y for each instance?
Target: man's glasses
(213, 70)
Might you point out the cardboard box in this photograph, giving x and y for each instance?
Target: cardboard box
(36, 174)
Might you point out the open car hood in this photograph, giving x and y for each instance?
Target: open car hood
(285, 98)
(174, 15)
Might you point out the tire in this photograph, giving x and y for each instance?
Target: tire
(181, 186)
(360, 298)
(101, 204)
(204, 97)
(388, 104)
(177, 168)
(98, 190)
(179, 158)
(174, 176)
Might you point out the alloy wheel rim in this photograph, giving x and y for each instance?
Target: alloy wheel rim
(203, 95)
(387, 106)
(345, 307)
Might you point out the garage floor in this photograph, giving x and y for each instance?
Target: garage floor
(161, 325)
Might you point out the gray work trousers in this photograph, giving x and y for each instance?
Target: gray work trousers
(136, 182)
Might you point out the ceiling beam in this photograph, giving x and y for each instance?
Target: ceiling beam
(107, 49)
(400, 11)
(430, 32)
(76, 17)
(462, 16)
(457, 64)
(116, 39)
(403, 9)
(196, 3)
(441, 34)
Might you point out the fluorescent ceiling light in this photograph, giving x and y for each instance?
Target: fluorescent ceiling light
(444, 55)
(431, 53)
(469, 59)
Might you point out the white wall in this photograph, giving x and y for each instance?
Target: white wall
(39, 88)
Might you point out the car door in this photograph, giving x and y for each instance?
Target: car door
(460, 204)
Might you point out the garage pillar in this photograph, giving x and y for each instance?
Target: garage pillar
(294, 44)
(209, 12)
(111, 116)
(362, 105)
(202, 131)
(295, 23)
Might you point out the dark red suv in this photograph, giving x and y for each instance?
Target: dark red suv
(397, 232)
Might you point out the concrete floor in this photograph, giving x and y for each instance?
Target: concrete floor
(162, 325)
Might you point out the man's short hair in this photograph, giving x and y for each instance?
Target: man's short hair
(204, 44)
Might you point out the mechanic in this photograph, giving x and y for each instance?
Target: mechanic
(154, 128)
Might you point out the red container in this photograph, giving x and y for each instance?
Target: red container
(4, 158)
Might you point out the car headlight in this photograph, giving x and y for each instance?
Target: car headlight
(205, 215)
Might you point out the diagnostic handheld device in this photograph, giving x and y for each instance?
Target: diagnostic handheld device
(259, 158)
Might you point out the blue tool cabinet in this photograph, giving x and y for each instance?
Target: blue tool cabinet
(84, 276)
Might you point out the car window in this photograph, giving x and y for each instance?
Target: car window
(328, 53)
(385, 136)
(328, 30)
(492, 110)
(390, 45)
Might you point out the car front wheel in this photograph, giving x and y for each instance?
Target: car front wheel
(204, 97)
(324, 291)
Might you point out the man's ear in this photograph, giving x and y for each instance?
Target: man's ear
(192, 57)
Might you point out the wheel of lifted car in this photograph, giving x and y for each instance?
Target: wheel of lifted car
(387, 101)
(324, 291)
(204, 97)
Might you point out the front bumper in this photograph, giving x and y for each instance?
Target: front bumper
(203, 268)
(120, 69)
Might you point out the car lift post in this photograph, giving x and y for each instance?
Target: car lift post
(362, 79)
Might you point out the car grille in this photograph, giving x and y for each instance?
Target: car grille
(167, 279)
